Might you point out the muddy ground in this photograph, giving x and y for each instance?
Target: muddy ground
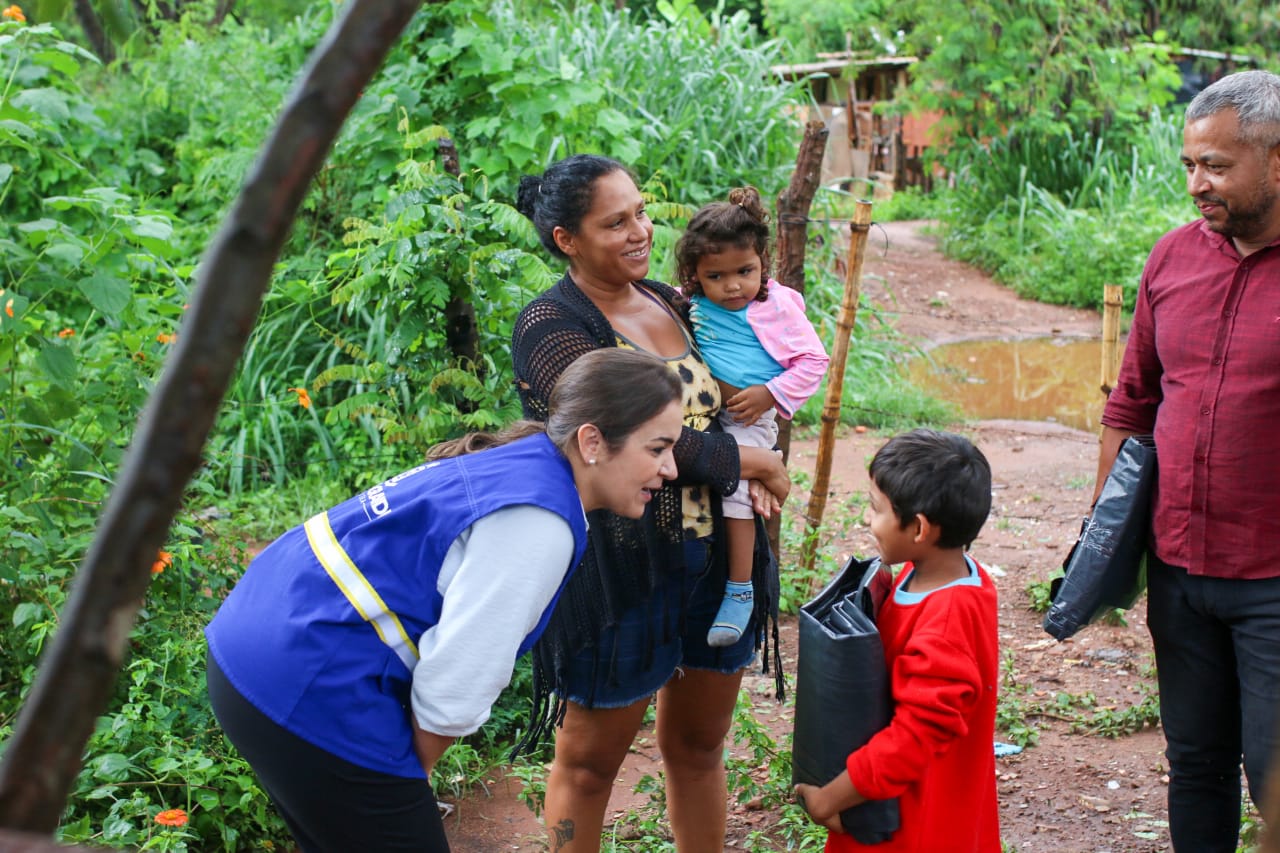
(1072, 790)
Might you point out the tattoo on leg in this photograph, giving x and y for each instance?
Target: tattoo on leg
(561, 834)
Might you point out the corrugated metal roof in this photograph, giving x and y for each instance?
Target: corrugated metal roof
(836, 65)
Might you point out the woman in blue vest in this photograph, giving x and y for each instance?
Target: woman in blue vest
(360, 644)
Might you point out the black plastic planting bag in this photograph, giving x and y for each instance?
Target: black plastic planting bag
(842, 689)
(1106, 568)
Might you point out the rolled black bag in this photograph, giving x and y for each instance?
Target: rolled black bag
(1106, 568)
(843, 695)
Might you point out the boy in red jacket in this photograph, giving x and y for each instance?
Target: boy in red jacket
(930, 495)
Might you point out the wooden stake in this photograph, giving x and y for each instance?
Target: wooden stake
(793, 230)
(860, 225)
(1112, 302)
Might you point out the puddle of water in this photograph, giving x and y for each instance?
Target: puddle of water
(1051, 379)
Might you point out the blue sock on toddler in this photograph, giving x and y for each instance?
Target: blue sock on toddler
(735, 613)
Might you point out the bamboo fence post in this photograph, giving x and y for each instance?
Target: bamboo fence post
(1112, 302)
(860, 225)
(793, 228)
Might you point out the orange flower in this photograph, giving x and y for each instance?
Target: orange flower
(172, 817)
(304, 399)
(66, 333)
(163, 561)
(8, 308)
(166, 338)
(14, 13)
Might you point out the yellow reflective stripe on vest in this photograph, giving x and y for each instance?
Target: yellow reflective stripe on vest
(363, 597)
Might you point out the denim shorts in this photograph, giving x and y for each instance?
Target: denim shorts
(630, 663)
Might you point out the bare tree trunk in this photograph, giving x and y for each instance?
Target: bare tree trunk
(79, 668)
(222, 10)
(94, 32)
(793, 205)
(459, 313)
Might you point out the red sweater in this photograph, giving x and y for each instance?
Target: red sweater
(937, 755)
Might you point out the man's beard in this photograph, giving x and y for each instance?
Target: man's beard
(1245, 219)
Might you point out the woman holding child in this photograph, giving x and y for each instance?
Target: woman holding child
(634, 620)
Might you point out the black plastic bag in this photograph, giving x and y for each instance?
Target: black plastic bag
(1106, 568)
(843, 695)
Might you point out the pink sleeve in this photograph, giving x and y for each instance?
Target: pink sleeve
(787, 335)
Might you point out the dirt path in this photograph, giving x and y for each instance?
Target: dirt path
(1070, 792)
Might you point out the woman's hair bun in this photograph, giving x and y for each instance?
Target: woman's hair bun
(527, 194)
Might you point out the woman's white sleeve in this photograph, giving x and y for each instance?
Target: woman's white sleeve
(497, 578)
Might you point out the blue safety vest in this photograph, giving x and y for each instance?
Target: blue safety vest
(321, 632)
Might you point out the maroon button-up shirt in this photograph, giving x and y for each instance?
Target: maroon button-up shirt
(1202, 371)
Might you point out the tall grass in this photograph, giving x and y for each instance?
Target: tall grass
(711, 113)
(1058, 217)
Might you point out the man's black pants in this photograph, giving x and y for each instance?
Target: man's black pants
(1217, 645)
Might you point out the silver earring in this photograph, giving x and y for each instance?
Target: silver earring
(591, 461)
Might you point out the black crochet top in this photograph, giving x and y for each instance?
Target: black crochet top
(627, 560)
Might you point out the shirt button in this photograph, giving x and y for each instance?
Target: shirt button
(1217, 361)
(1199, 458)
(1205, 410)
(1227, 313)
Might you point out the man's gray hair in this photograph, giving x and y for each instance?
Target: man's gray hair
(1254, 95)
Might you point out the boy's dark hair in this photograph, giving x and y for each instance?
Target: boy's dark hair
(939, 475)
(740, 222)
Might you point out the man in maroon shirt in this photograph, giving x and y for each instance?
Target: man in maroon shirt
(1202, 372)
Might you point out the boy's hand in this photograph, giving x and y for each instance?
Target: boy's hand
(749, 404)
(825, 804)
(811, 800)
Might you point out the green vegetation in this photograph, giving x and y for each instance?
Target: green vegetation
(1020, 705)
(811, 27)
(113, 178)
(120, 152)
(762, 774)
(1033, 209)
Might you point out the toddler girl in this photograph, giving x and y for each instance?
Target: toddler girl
(753, 334)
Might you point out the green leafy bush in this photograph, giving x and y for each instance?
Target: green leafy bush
(1057, 217)
(350, 370)
(88, 304)
(694, 109)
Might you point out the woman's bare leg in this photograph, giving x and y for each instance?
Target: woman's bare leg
(695, 711)
(590, 748)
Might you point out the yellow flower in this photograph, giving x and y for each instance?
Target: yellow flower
(14, 13)
(66, 333)
(304, 399)
(163, 561)
(166, 338)
(172, 817)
